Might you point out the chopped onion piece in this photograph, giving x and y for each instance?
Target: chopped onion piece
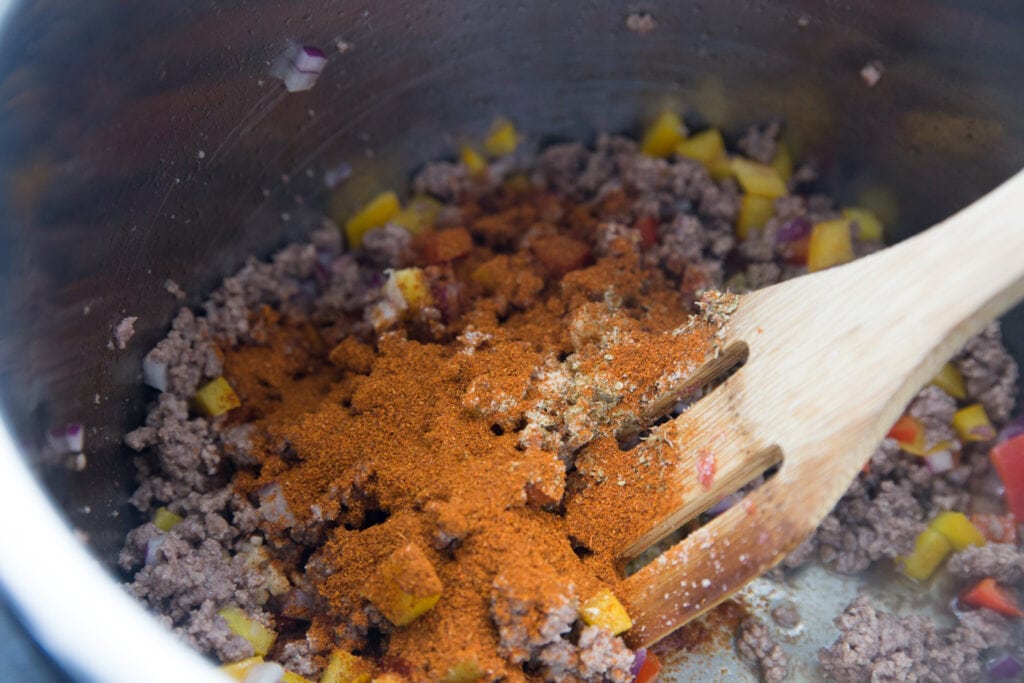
(983, 432)
(300, 67)
(154, 373)
(153, 545)
(66, 438)
(274, 506)
(793, 230)
(640, 656)
(939, 461)
(267, 672)
(1006, 666)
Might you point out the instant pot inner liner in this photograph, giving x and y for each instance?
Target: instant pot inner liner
(144, 141)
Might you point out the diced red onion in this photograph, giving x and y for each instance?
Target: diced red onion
(154, 373)
(266, 672)
(984, 432)
(66, 438)
(153, 545)
(1014, 427)
(300, 67)
(939, 461)
(274, 506)
(792, 230)
(1004, 667)
(640, 656)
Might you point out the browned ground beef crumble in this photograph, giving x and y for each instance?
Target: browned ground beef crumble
(216, 557)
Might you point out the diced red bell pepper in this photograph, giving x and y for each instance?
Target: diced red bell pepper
(648, 672)
(908, 432)
(988, 593)
(1008, 458)
(996, 528)
(647, 226)
(796, 251)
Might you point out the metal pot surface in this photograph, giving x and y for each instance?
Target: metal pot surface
(148, 140)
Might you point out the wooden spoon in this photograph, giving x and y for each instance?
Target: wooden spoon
(832, 360)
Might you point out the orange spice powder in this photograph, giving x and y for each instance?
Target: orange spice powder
(472, 434)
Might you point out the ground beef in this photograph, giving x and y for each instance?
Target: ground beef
(990, 373)
(277, 283)
(878, 646)
(786, 614)
(867, 526)
(441, 179)
(123, 332)
(885, 508)
(175, 290)
(213, 557)
(187, 355)
(297, 656)
(534, 612)
(755, 645)
(384, 247)
(934, 409)
(187, 454)
(1001, 561)
(760, 143)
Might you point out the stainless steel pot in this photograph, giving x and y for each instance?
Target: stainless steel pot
(147, 140)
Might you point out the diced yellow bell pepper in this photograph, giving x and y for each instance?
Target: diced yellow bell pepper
(830, 245)
(705, 147)
(958, 530)
(972, 424)
(412, 284)
(930, 550)
(662, 136)
(165, 520)
(374, 214)
(759, 179)
(420, 214)
(754, 213)
(259, 636)
(951, 381)
(472, 160)
(880, 201)
(869, 228)
(502, 139)
(466, 671)
(292, 677)
(216, 397)
(721, 168)
(605, 611)
(783, 162)
(405, 586)
(240, 669)
(345, 667)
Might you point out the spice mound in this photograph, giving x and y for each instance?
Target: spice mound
(424, 483)
(404, 473)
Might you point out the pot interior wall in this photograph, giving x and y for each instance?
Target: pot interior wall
(147, 140)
